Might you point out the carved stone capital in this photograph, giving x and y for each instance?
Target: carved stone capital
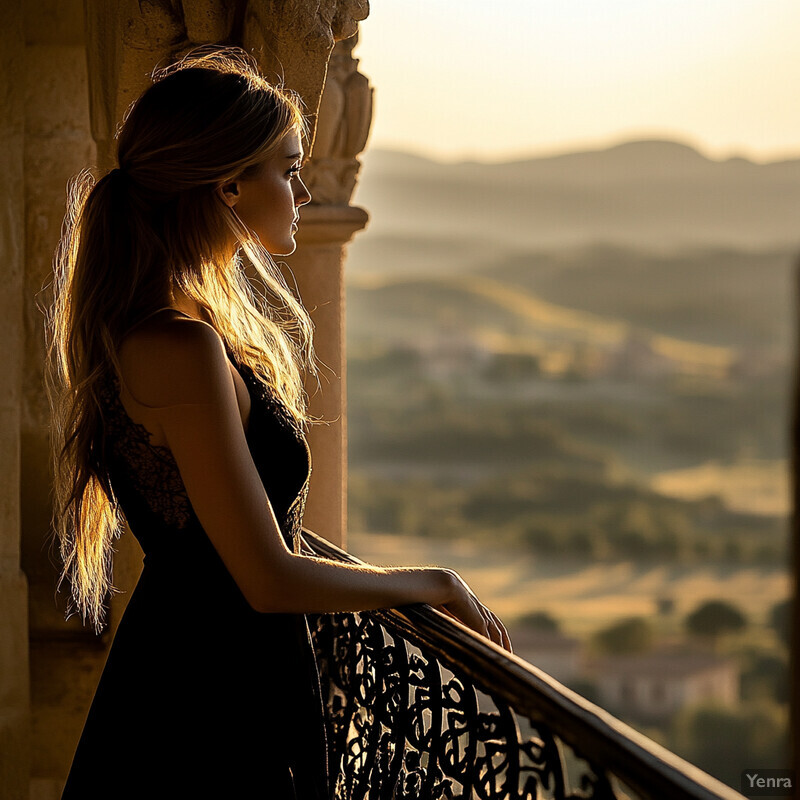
(345, 117)
(292, 40)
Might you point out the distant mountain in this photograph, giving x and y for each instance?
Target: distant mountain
(621, 161)
(655, 193)
(635, 160)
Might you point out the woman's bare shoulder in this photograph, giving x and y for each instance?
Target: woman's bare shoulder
(172, 359)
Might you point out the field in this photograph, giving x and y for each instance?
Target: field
(757, 487)
(584, 597)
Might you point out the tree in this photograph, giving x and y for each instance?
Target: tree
(765, 676)
(632, 635)
(541, 621)
(780, 620)
(720, 740)
(715, 618)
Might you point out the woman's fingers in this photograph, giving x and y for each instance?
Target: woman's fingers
(505, 639)
(496, 630)
(474, 619)
(486, 623)
(491, 627)
(499, 634)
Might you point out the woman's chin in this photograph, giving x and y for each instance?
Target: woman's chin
(287, 249)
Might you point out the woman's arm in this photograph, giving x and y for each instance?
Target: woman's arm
(180, 370)
(314, 584)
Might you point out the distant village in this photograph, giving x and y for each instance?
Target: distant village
(636, 356)
(648, 687)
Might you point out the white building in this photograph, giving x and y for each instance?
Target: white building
(554, 653)
(656, 685)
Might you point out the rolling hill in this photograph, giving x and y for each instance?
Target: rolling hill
(650, 193)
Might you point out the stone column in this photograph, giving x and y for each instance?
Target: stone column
(326, 225)
(15, 749)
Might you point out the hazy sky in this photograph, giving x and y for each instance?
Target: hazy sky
(494, 80)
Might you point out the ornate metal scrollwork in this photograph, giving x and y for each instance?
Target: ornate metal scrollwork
(403, 725)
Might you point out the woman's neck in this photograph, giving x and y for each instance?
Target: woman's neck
(183, 302)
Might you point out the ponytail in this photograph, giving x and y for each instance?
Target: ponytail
(151, 224)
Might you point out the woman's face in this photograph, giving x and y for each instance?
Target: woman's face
(268, 202)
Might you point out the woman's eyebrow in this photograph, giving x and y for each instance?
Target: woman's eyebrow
(295, 155)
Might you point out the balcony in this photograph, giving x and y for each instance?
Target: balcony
(419, 706)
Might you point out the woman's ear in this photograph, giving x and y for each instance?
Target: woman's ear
(229, 193)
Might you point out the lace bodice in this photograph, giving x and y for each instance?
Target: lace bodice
(147, 481)
(150, 468)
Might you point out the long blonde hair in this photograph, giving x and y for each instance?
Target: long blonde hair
(153, 223)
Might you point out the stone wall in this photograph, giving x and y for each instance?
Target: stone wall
(14, 680)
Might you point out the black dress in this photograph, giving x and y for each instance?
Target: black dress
(201, 696)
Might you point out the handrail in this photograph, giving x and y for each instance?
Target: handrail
(596, 736)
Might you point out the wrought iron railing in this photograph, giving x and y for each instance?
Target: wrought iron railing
(419, 706)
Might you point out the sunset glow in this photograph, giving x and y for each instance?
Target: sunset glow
(463, 78)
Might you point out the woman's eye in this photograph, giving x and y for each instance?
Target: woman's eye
(294, 171)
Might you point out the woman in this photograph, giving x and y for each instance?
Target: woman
(177, 402)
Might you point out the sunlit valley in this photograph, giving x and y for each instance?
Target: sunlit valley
(568, 378)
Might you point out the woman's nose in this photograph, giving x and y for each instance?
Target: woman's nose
(303, 196)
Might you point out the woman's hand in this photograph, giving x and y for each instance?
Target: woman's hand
(466, 608)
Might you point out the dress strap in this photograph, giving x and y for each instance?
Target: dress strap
(152, 314)
(159, 310)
